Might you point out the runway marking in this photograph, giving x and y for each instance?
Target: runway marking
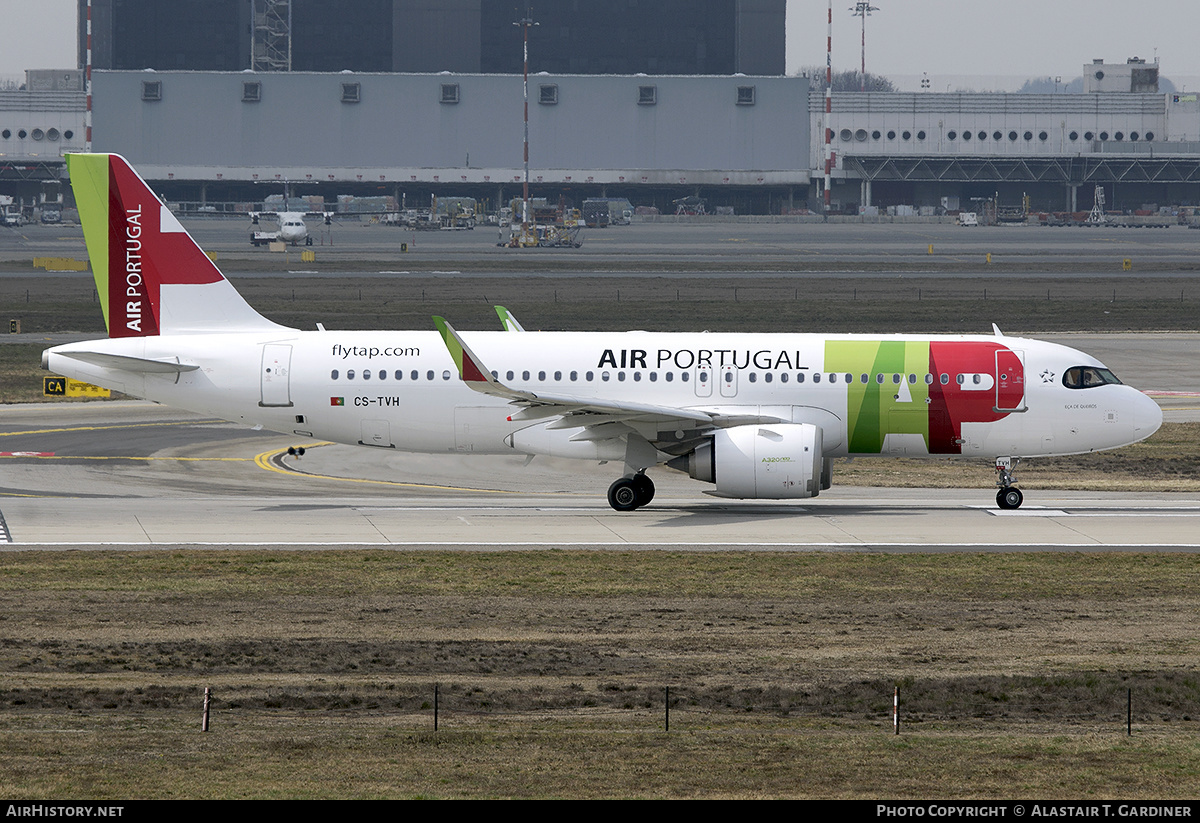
(1039, 512)
(566, 509)
(5, 537)
(272, 461)
(919, 547)
(53, 456)
(114, 426)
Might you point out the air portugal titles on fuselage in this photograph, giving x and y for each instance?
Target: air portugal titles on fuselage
(135, 296)
(765, 359)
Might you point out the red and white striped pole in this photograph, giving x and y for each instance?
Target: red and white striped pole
(87, 117)
(828, 106)
(525, 23)
(896, 710)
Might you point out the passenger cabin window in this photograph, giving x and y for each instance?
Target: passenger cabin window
(1087, 377)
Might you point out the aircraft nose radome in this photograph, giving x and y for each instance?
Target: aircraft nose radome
(1147, 416)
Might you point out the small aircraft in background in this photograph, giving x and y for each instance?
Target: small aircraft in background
(291, 227)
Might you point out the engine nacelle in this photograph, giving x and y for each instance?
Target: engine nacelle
(772, 462)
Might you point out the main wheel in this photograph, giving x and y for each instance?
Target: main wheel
(1009, 498)
(623, 495)
(645, 489)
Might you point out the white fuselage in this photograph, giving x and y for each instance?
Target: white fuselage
(292, 228)
(402, 390)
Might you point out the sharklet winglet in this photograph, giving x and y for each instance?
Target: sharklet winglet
(470, 368)
(507, 320)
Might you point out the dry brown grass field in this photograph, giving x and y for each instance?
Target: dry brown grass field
(551, 668)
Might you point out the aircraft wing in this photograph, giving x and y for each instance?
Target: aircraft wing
(601, 419)
(537, 405)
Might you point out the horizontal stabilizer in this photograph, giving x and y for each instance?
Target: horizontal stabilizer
(126, 363)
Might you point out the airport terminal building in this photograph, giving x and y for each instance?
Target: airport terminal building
(753, 141)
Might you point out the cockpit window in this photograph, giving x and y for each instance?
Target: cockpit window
(1086, 377)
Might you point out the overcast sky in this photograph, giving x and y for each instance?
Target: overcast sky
(968, 42)
(960, 43)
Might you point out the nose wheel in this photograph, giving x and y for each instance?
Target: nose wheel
(1009, 496)
(629, 493)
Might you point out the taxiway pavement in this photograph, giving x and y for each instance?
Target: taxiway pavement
(140, 476)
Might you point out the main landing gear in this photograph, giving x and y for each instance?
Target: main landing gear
(1009, 496)
(629, 493)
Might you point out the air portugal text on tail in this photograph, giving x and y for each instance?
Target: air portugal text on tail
(147, 268)
(754, 415)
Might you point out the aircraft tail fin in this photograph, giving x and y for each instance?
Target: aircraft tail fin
(151, 277)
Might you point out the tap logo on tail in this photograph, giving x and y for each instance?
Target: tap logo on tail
(136, 244)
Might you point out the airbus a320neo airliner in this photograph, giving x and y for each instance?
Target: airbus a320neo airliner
(755, 415)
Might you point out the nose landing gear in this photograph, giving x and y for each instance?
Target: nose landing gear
(1009, 496)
